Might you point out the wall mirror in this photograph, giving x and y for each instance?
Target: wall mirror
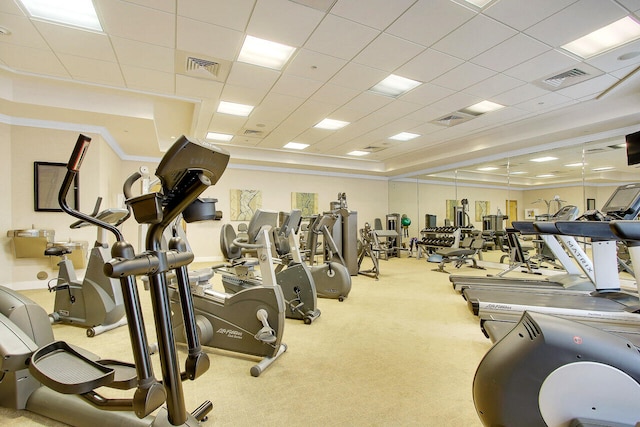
(47, 178)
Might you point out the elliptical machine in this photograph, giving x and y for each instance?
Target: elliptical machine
(95, 302)
(296, 281)
(250, 321)
(59, 381)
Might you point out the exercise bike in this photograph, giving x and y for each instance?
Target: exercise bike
(95, 302)
(250, 321)
(550, 371)
(331, 279)
(59, 381)
(295, 280)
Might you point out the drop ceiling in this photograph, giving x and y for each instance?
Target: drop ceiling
(133, 84)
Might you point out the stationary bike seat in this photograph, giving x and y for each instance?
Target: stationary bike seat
(57, 251)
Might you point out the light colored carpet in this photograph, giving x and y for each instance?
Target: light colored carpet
(400, 351)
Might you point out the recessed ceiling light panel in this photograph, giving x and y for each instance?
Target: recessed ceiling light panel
(296, 145)
(76, 13)
(404, 136)
(395, 86)
(613, 35)
(482, 107)
(219, 136)
(544, 159)
(234, 109)
(265, 53)
(331, 124)
(488, 168)
(358, 153)
(547, 175)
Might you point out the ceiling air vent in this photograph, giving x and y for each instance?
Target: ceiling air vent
(373, 149)
(200, 66)
(453, 119)
(568, 77)
(252, 132)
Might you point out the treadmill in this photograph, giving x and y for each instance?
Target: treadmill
(579, 274)
(607, 305)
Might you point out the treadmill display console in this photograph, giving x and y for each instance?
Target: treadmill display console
(624, 203)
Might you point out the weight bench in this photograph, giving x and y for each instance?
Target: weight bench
(469, 247)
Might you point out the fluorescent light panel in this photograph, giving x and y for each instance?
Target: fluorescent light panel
(219, 136)
(358, 153)
(574, 165)
(296, 145)
(613, 35)
(548, 175)
(517, 173)
(482, 107)
(603, 168)
(404, 136)
(479, 3)
(76, 13)
(395, 86)
(488, 168)
(265, 53)
(544, 159)
(331, 124)
(234, 109)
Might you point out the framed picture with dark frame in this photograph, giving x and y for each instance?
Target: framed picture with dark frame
(591, 204)
(47, 179)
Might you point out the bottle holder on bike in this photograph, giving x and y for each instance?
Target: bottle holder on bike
(63, 369)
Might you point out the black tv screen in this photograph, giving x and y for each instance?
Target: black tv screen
(633, 148)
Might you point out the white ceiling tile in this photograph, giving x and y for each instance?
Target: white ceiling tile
(283, 21)
(544, 103)
(340, 37)
(521, 14)
(292, 85)
(374, 13)
(11, 7)
(426, 94)
(494, 85)
(592, 87)
(519, 94)
(479, 34)
(38, 61)
(609, 61)
(252, 76)
(427, 21)
(143, 55)
(542, 66)
(164, 5)
(148, 80)
(455, 102)
(359, 77)
(226, 123)
(314, 65)
(632, 5)
(334, 94)
(463, 76)
(140, 23)
(191, 87)
(510, 53)
(234, 15)
(242, 95)
(575, 21)
(72, 41)
(387, 52)
(23, 32)
(367, 102)
(92, 70)
(428, 65)
(208, 39)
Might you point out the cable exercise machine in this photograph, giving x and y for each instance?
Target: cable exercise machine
(59, 381)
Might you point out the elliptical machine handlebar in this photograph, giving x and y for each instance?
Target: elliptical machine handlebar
(73, 167)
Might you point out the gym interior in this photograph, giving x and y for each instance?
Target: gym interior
(407, 178)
